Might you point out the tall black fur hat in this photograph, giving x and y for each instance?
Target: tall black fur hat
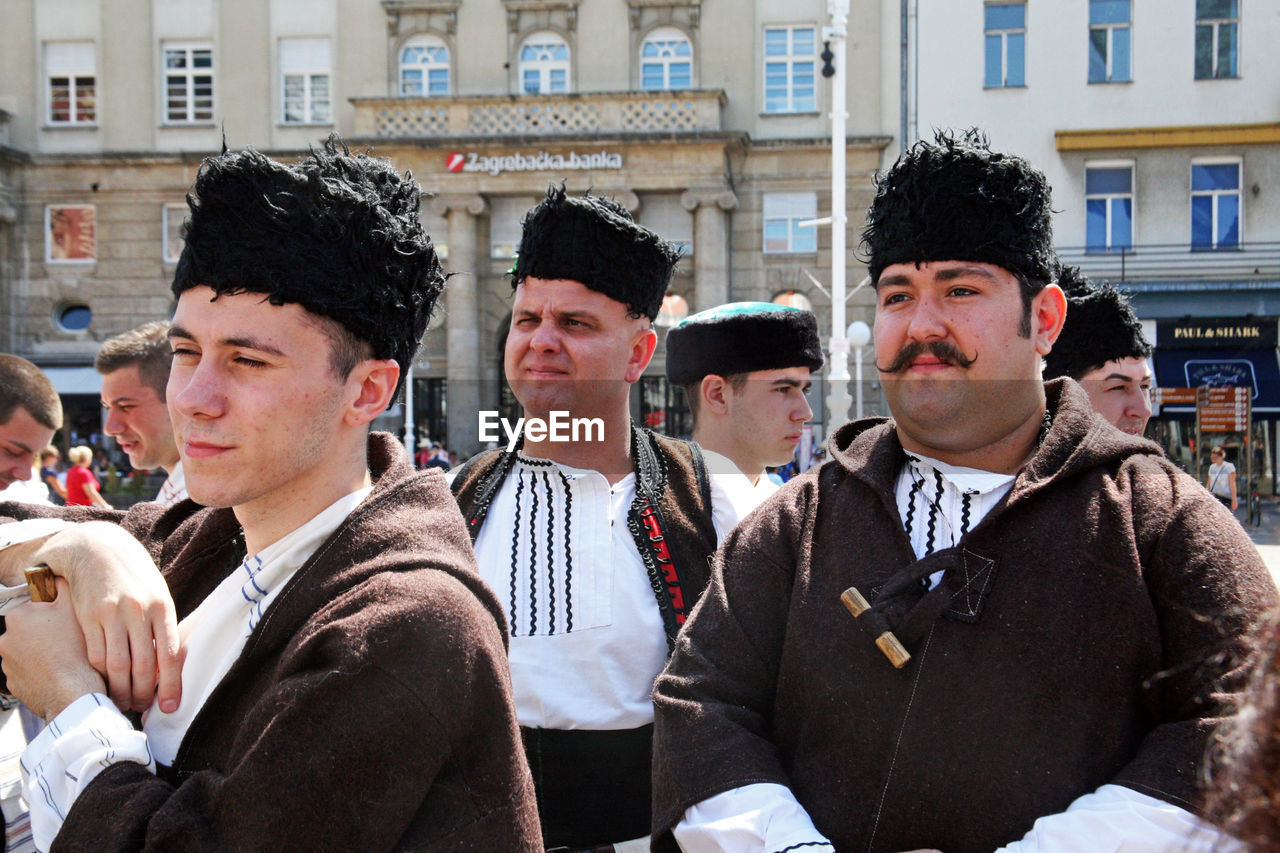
(742, 337)
(1100, 327)
(336, 233)
(594, 240)
(955, 199)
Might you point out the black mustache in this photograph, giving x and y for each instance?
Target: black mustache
(943, 350)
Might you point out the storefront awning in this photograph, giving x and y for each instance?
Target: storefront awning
(1258, 369)
(74, 380)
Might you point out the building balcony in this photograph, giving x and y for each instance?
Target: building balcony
(578, 114)
(1174, 267)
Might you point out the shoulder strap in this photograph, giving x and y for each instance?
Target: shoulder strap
(700, 471)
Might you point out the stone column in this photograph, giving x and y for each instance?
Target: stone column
(710, 244)
(462, 320)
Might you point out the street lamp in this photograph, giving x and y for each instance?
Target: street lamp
(838, 376)
(858, 335)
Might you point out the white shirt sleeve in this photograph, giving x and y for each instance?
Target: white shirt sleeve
(16, 533)
(1115, 818)
(760, 817)
(88, 736)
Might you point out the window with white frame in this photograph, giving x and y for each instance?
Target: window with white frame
(665, 216)
(71, 79)
(1005, 28)
(305, 82)
(1217, 38)
(1215, 204)
(172, 217)
(1108, 205)
(188, 83)
(666, 60)
(424, 66)
(783, 213)
(789, 69)
(544, 64)
(1109, 32)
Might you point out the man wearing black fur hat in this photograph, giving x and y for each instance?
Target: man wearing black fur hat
(745, 371)
(597, 546)
(1046, 610)
(343, 680)
(1102, 347)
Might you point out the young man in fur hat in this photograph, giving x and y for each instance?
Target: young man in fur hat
(344, 684)
(1051, 609)
(1102, 347)
(597, 547)
(745, 371)
(135, 370)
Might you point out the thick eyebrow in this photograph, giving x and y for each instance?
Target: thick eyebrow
(792, 383)
(241, 342)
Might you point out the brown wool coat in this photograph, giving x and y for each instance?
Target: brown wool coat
(370, 710)
(1081, 636)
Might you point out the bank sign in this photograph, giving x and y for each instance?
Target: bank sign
(543, 161)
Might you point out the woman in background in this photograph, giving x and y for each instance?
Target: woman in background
(82, 486)
(49, 473)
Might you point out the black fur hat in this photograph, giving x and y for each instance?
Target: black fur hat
(955, 199)
(1100, 327)
(594, 240)
(742, 337)
(336, 233)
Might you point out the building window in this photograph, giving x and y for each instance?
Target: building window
(1108, 204)
(1006, 44)
(544, 64)
(70, 71)
(783, 213)
(1215, 205)
(73, 317)
(424, 67)
(172, 218)
(789, 63)
(1109, 32)
(1217, 38)
(188, 83)
(70, 233)
(304, 78)
(666, 61)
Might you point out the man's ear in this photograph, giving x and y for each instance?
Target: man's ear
(1048, 313)
(375, 386)
(712, 390)
(642, 348)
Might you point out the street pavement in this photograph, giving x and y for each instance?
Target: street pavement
(1267, 535)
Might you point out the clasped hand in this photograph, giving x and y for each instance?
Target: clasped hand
(113, 625)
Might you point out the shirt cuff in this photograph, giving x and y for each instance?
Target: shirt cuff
(1115, 818)
(16, 533)
(89, 736)
(761, 817)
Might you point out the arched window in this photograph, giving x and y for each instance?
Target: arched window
(666, 60)
(544, 64)
(424, 66)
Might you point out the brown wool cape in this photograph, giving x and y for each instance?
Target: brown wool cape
(1084, 633)
(370, 710)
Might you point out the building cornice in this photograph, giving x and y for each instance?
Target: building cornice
(1168, 137)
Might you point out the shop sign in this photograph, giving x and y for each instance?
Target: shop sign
(543, 161)
(1218, 332)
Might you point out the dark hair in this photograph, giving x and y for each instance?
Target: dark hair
(954, 199)
(23, 384)
(336, 233)
(1244, 761)
(594, 241)
(1100, 327)
(147, 347)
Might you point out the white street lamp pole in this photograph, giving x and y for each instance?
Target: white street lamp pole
(410, 431)
(859, 335)
(838, 375)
